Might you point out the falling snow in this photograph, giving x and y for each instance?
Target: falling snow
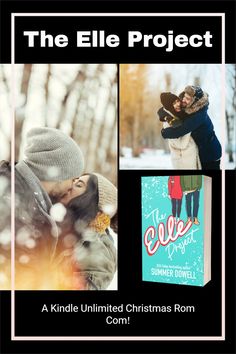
(3, 279)
(5, 237)
(24, 259)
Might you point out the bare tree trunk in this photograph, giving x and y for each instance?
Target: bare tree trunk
(97, 125)
(111, 160)
(46, 89)
(83, 122)
(105, 128)
(79, 77)
(5, 127)
(25, 81)
(20, 111)
(4, 80)
(136, 137)
(168, 81)
(229, 137)
(80, 118)
(197, 81)
(111, 153)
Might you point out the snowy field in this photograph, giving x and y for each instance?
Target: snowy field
(149, 159)
(152, 159)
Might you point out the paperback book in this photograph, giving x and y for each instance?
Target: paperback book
(176, 229)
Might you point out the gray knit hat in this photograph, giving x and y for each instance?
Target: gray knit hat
(53, 155)
(107, 195)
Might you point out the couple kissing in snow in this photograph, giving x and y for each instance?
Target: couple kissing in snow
(189, 130)
(73, 251)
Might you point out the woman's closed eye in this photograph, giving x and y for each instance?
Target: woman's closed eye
(79, 185)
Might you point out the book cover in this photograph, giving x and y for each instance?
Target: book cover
(86, 67)
(176, 229)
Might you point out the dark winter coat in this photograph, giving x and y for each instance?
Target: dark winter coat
(89, 265)
(200, 125)
(36, 232)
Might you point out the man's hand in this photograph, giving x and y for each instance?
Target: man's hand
(190, 124)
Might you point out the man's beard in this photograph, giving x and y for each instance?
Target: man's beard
(56, 198)
(185, 105)
(57, 193)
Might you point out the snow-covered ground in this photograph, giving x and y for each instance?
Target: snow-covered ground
(152, 159)
(230, 166)
(149, 159)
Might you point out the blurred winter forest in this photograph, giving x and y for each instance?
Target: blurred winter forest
(79, 99)
(141, 143)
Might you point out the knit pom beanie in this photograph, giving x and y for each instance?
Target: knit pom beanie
(107, 196)
(167, 100)
(53, 155)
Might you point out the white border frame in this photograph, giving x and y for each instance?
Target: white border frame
(114, 338)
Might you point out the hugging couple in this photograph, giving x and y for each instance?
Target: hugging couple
(189, 130)
(63, 217)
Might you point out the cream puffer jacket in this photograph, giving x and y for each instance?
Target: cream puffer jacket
(184, 152)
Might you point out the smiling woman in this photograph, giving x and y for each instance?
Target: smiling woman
(184, 151)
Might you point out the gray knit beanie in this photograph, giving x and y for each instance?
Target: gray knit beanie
(53, 155)
(107, 195)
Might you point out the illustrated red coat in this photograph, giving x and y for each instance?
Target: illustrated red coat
(174, 187)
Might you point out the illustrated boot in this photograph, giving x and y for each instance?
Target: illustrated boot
(196, 222)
